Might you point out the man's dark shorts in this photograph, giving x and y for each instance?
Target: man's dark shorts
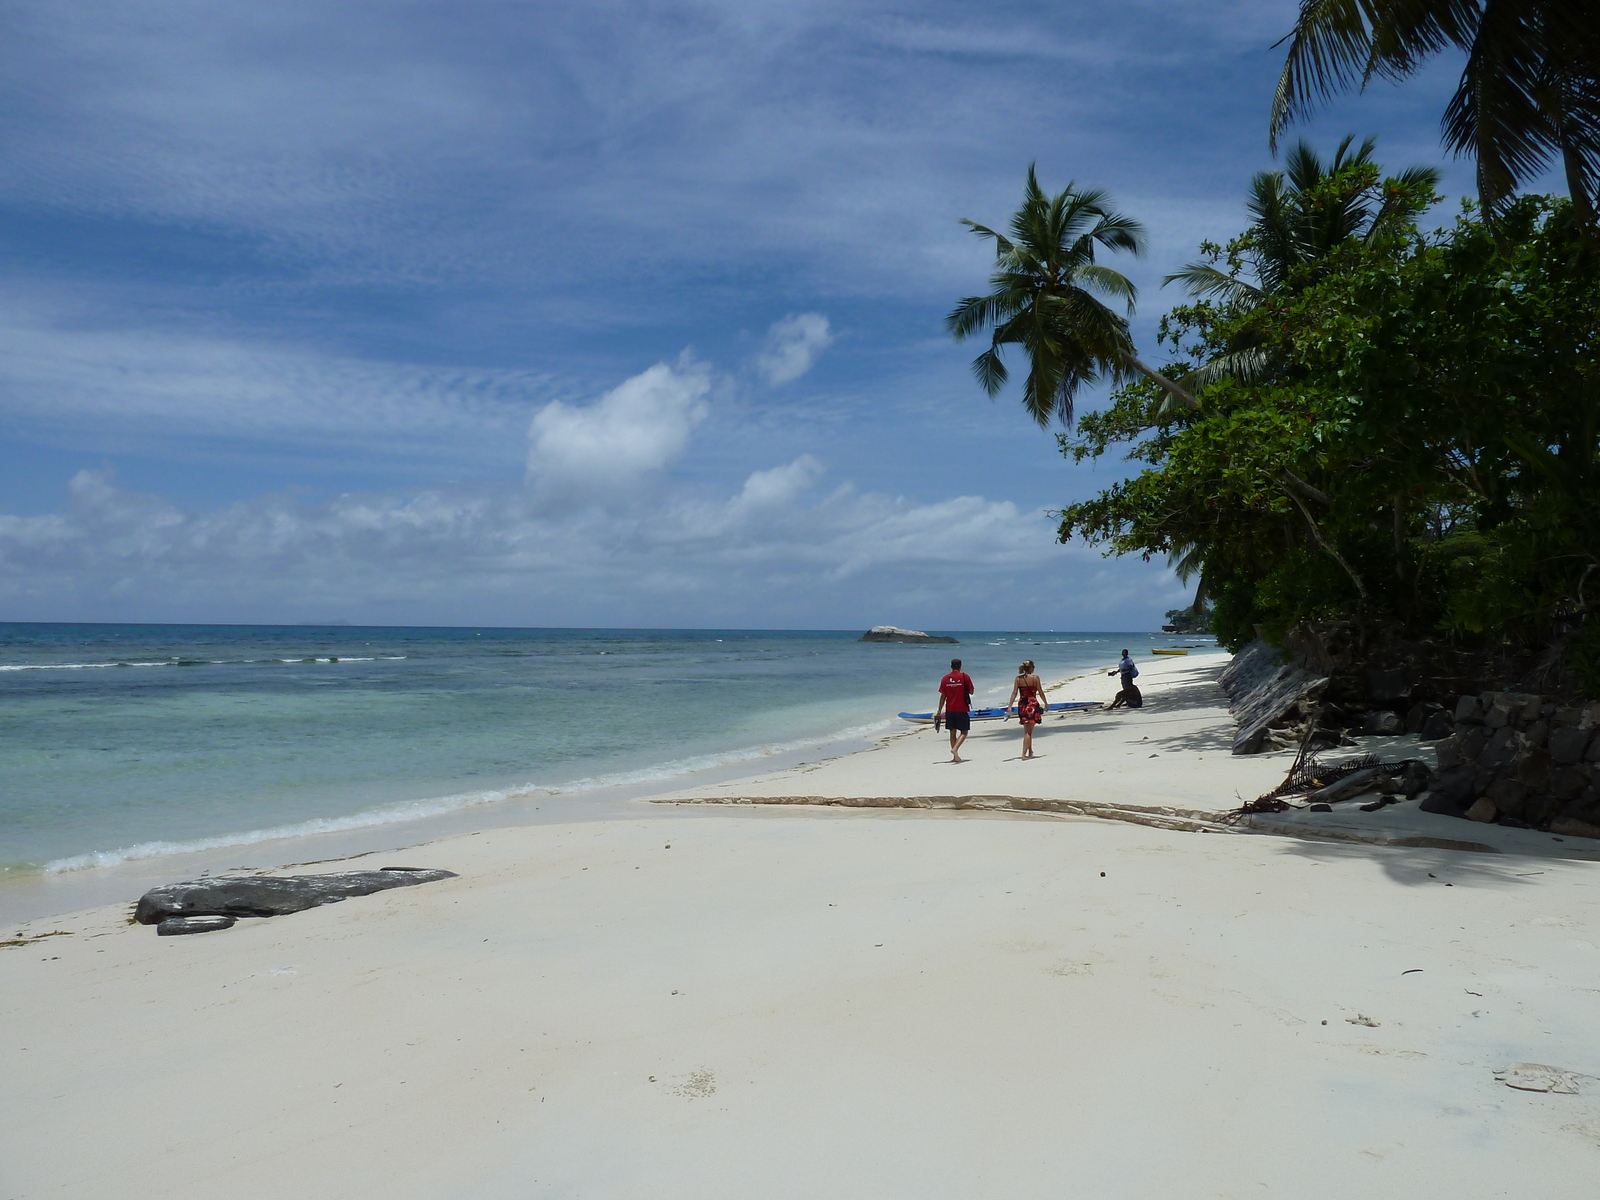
(958, 722)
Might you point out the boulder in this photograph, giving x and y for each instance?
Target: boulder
(1568, 743)
(1506, 795)
(1472, 740)
(1569, 782)
(1533, 770)
(1449, 752)
(1414, 779)
(1573, 827)
(890, 633)
(1386, 687)
(1539, 808)
(1468, 711)
(1437, 726)
(1500, 749)
(1262, 690)
(1383, 724)
(271, 895)
(1450, 791)
(1483, 811)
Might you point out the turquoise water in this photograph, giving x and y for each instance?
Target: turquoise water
(122, 742)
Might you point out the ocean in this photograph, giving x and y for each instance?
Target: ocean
(121, 743)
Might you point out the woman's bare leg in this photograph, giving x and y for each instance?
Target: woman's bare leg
(1027, 741)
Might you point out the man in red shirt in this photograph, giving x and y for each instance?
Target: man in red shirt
(955, 705)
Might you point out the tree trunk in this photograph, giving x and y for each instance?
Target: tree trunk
(1361, 588)
(1165, 384)
(1578, 189)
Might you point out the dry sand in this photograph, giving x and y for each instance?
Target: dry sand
(808, 1002)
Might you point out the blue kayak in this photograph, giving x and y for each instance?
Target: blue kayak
(996, 714)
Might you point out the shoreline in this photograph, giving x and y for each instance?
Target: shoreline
(100, 877)
(729, 1000)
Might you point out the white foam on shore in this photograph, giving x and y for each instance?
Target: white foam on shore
(413, 810)
(188, 662)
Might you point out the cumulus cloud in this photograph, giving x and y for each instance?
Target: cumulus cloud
(776, 552)
(792, 345)
(642, 425)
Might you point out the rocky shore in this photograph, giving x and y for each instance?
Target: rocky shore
(1506, 757)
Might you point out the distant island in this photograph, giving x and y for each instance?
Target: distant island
(890, 633)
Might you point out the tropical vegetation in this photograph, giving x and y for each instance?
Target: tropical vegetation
(1368, 412)
(1528, 96)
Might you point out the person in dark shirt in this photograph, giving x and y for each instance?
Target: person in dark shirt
(955, 706)
(1130, 694)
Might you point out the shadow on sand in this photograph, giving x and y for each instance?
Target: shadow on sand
(1416, 866)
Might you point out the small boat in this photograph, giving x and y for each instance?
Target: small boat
(1169, 652)
(996, 714)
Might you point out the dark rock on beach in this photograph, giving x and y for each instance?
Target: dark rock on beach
(890, 633)
(268, 895)
(175, 926)
(1264, 691)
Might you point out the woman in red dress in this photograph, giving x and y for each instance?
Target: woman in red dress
(1031, 706)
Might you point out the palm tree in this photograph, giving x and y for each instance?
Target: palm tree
(1530, 91)
(1301, 216)
(1042, 299)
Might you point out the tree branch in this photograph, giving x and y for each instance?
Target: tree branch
(1361, 588)
(1165, 384)
(1291, 482)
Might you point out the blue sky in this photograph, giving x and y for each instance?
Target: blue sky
(589, 314)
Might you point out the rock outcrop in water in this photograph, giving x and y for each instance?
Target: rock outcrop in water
(890, 633)
(267, 895)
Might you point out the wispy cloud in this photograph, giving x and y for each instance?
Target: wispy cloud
(792, 345)
(419, 231)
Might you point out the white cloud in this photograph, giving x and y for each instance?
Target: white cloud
(58, 374)
(780, 485)
(792, 345)
(640, 426)
(769, 554)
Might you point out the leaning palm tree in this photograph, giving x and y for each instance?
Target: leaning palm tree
(1044, 299)
(1529, 93)
(1300, 216)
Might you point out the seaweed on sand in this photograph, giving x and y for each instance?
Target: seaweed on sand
(1306, 774)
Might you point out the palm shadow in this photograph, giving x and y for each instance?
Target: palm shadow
(1419, 866)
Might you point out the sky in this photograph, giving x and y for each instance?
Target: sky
(498, 312)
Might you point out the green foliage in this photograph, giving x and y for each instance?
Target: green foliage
(1422, 450)
(1189, 620)
(1527, 95)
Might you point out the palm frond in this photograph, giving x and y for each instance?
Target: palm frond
(1108, 282)
(1203, 281)
(1330, 45)
(976, 313)
(991, 371)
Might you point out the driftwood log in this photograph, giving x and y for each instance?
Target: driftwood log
(271, 895)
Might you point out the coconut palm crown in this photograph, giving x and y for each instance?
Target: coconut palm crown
(1044, 298)
(1529, 92)
(1301, 216)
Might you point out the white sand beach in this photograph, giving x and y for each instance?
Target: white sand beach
(740, 1000)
